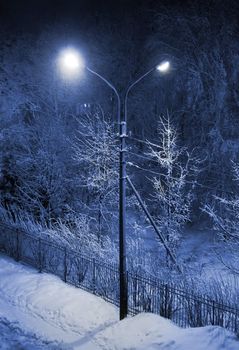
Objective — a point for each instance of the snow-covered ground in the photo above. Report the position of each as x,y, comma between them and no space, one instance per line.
39,311
13,337
202,253
199,252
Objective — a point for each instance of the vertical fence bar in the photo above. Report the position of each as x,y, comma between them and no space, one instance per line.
135,284
236,330
65,265
166,300
213,313
17,246
93,276
39,255
127,285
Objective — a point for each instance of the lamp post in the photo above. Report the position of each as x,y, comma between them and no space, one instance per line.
122,202
70,62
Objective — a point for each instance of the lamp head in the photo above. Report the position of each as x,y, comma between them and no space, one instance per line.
163,67
70,63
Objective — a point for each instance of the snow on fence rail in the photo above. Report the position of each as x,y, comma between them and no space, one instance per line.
144,294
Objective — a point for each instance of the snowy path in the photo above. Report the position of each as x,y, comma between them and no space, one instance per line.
13,337
39,311
43,304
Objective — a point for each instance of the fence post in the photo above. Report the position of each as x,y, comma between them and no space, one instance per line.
39,255
213,312
65,265
236,323
94,277
17,258
166,301
135,289
127,290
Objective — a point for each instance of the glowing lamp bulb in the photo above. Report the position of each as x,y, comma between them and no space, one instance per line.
70,62
163,67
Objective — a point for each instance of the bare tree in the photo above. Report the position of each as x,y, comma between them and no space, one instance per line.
173,187
96,151
225,216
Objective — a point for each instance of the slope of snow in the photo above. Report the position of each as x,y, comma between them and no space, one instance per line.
13,337
39,311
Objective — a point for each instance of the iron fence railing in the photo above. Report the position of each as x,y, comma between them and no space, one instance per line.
144,294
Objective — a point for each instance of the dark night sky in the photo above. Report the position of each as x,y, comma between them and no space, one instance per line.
30,16
88,22
80,18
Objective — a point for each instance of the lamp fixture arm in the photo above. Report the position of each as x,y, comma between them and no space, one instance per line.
130,87
112,87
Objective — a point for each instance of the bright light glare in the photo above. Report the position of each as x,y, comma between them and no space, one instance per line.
163,67
70,62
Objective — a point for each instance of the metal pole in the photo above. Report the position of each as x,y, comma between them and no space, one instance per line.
122,224
122,202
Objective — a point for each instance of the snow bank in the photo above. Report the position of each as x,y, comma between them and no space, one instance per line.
50,314
147,331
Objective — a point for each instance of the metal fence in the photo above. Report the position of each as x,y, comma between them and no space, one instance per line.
144,294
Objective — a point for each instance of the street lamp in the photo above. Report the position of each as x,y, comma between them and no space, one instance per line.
70,63
163,67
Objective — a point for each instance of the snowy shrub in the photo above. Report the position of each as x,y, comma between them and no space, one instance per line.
78,236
